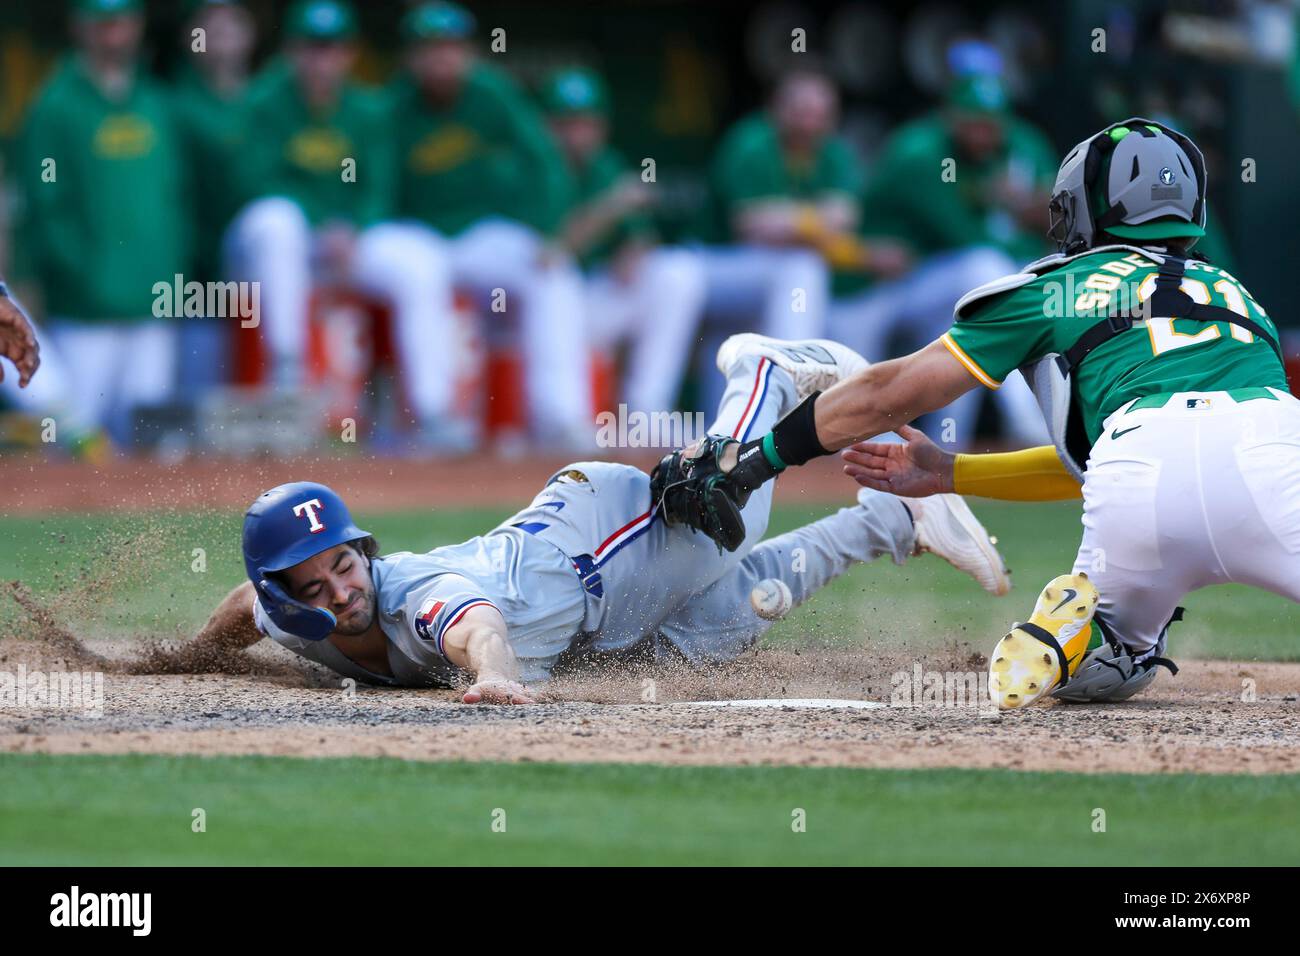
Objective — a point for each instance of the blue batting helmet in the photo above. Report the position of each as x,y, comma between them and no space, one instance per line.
286,526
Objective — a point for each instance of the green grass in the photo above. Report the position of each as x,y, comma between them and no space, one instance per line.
157,591
59,810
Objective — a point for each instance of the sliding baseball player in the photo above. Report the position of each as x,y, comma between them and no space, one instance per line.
590,564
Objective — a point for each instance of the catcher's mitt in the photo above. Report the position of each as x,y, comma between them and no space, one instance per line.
697,493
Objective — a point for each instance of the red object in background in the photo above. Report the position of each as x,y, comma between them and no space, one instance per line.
505,411
248,361
604,383
344,335
507,405
1293,372
350,336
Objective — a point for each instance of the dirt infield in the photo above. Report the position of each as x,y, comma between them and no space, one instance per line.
1197,721
269,702
33,484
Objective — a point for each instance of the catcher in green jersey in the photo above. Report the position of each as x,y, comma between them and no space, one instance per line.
1162,383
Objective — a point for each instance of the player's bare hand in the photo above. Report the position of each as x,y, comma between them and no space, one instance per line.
18,342
497,690
913,470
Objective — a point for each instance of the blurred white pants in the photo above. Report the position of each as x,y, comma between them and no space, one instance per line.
112,368
415,270
778,291
50,393
270,243
656,312
507,268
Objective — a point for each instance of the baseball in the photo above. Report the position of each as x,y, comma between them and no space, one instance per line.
771,599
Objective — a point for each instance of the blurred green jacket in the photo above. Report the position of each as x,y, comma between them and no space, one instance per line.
105,196
605,171
750,166
485,155
213,137
910,199
302,154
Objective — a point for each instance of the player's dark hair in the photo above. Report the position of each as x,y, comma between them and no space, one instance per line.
366,546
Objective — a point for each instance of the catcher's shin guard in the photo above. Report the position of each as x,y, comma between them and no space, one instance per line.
1041,654
1111,672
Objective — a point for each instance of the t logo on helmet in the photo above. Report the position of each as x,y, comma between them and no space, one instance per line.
309,508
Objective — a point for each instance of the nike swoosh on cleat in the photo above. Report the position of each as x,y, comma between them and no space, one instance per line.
1070,593
1120,434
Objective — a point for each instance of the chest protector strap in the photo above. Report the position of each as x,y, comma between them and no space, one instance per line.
1051,378
1168,300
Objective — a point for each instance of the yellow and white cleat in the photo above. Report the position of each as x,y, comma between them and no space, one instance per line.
1035,657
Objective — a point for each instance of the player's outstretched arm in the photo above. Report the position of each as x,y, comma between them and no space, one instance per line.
878,399
231,626
230,629
478,644
920,468
888,395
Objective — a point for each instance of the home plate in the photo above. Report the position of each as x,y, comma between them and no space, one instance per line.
798,703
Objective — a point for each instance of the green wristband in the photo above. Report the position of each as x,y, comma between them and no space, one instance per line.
769,452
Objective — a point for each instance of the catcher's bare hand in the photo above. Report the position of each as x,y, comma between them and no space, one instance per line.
18,342
495,690
913,470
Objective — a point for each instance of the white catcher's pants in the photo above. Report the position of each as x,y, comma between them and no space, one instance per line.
1204,490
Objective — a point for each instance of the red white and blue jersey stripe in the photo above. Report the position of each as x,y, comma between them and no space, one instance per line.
756,397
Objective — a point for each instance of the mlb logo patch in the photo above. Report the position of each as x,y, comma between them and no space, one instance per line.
1199,403
424,622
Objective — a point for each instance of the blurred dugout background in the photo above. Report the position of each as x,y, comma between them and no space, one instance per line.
676,82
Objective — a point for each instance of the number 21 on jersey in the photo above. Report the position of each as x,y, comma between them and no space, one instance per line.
1165,338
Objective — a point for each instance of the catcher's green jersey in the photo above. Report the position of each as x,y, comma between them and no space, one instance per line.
1006,330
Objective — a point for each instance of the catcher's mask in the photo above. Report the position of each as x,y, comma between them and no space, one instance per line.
1137,179
286,526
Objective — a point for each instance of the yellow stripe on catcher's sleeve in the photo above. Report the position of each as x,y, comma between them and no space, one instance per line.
983,377
1032,474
